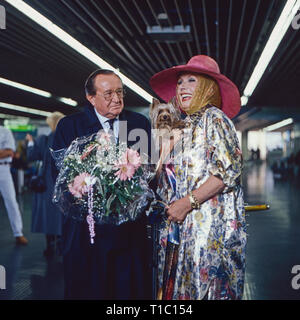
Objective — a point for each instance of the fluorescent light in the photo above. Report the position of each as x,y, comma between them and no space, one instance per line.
68,101
26,88
283,23
244,100
9,116
76,45
36,91
24,109
279,124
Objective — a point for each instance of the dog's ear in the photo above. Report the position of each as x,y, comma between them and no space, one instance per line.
155,102
175,107
153,106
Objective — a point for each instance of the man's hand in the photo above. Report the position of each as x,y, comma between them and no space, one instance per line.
4,153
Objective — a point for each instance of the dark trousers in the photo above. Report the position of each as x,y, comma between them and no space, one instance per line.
116,266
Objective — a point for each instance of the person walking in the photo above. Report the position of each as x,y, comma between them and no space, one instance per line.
46,217
7,189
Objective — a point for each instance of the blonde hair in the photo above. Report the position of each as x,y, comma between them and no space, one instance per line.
53,119
206,93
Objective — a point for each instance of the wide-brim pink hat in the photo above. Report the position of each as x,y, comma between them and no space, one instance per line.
164,82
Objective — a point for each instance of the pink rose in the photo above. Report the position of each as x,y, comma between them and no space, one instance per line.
104,138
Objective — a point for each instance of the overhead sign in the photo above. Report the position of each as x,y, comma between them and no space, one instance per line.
20,127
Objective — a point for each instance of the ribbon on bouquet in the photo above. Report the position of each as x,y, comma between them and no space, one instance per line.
171,259
173,235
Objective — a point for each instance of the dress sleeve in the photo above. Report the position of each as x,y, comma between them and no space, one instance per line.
225,156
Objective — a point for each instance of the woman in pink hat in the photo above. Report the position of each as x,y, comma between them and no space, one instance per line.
207,200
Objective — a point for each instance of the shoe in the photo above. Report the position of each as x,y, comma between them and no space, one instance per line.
21,240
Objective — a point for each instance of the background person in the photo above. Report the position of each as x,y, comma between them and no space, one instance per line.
209,261
46,217
7,148
19,166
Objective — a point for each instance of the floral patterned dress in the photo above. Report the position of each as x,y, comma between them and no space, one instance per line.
211,252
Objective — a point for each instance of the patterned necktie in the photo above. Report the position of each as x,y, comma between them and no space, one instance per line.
111,127
111,124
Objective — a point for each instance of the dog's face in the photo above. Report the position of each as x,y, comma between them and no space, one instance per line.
163,115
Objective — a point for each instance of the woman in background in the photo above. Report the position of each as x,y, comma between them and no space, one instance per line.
46,217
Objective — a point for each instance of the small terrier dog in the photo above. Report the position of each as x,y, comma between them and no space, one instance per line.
165,118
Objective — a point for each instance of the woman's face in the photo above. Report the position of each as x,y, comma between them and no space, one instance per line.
186,86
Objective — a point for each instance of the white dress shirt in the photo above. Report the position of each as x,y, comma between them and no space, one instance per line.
105,124
7,141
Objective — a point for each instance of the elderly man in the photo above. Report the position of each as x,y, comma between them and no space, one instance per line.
7,189
116,265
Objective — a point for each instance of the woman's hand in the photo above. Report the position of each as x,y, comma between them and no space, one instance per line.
178,210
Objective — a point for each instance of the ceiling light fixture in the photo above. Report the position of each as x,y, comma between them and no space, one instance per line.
76,45
24,109
287,15
68,101
36,91
164,33
278,125
25,88
244,100
9,116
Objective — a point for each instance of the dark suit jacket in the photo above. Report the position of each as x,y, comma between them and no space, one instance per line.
88,268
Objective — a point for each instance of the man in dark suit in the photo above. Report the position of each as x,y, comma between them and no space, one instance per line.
116,266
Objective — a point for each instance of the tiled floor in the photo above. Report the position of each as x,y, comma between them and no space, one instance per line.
274,235
272,251
28,274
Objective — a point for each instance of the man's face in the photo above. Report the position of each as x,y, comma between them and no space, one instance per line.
106,100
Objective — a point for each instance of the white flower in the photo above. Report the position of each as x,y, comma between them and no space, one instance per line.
90,180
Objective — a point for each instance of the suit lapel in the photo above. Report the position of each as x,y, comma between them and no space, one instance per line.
92,122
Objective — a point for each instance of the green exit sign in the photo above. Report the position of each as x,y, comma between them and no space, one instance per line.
20,127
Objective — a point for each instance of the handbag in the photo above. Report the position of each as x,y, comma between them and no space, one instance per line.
37,182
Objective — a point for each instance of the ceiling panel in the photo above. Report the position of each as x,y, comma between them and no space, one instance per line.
234,32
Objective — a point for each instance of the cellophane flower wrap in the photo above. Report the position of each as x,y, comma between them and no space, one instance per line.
102,182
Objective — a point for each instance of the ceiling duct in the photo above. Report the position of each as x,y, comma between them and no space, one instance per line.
164,33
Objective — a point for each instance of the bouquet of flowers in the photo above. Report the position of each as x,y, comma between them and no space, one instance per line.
101,182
